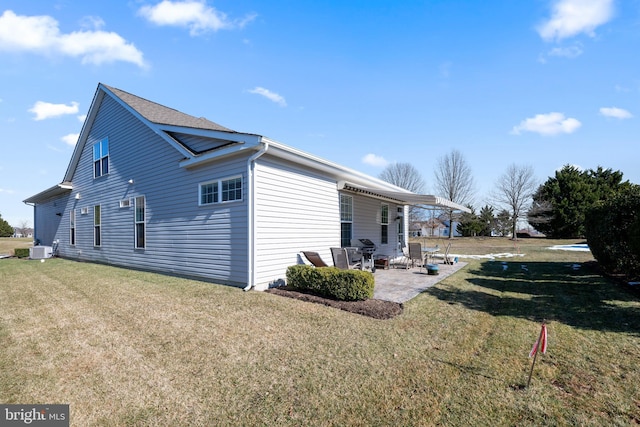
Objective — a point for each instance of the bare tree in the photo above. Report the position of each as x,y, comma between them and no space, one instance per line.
404,175
454,181
23,226
514,190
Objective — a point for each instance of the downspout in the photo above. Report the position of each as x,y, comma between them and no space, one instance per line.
251,213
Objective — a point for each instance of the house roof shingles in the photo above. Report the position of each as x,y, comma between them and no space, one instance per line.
160,114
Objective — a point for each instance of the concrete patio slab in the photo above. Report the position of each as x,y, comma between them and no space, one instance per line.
400,285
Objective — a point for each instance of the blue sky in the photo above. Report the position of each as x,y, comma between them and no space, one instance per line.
362,83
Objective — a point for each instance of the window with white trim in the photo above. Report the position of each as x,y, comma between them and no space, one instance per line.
140,223
401,227
346,220
101,158
384,224
97,226
72,227
220,191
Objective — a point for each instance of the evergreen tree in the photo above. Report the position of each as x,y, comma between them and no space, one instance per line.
469,225
487,220
560,204
503,223
5,229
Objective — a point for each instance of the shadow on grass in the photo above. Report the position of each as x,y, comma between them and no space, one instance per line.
573,294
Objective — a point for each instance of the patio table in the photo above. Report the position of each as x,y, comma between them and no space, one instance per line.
429,253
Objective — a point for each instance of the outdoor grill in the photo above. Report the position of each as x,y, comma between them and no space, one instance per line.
366,248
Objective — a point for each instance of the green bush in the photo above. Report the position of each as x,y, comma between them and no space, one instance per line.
613,232
21,252
343,285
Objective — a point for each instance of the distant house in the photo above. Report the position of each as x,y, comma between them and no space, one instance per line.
445,230
22,232
433,227
149,187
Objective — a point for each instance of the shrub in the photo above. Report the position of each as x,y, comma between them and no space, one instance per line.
344,285
21,252
613,232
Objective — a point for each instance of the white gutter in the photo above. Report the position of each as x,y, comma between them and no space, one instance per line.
251,255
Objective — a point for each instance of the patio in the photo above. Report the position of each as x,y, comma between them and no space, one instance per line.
398,284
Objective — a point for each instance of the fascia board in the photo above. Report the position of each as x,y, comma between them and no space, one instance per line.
334,170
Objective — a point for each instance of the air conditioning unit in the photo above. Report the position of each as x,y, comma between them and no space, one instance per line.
40,252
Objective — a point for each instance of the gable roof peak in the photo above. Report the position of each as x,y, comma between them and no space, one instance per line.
162,115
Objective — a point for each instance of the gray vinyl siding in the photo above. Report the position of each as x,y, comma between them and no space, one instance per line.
48,217
367,223
296,210
181,236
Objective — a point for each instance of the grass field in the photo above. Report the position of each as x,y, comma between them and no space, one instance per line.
133,348
8,245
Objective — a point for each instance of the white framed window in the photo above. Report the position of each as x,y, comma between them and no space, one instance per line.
384,224
97,226
72,227
101,158
346,220
140,223
400,217
125,203
220,191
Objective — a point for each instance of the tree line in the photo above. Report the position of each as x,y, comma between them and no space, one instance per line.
557,208
454,181
596,204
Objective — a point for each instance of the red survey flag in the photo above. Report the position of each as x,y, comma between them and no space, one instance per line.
541,343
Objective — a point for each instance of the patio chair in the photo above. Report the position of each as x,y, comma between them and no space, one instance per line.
314,258
447,257
415,254
403,259
341,259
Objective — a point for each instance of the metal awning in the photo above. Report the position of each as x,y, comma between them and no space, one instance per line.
405,198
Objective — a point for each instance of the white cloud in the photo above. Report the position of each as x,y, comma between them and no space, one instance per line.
566,52
70,139
547,124
41,35
82,118
45,110
6,191
192,14
272,96
374,160
572,17
615,112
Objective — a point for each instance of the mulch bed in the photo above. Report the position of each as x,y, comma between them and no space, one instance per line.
378,309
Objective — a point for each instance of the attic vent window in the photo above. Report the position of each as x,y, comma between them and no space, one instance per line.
84,211
101,158
125,203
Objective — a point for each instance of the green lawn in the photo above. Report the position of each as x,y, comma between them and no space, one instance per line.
133,348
